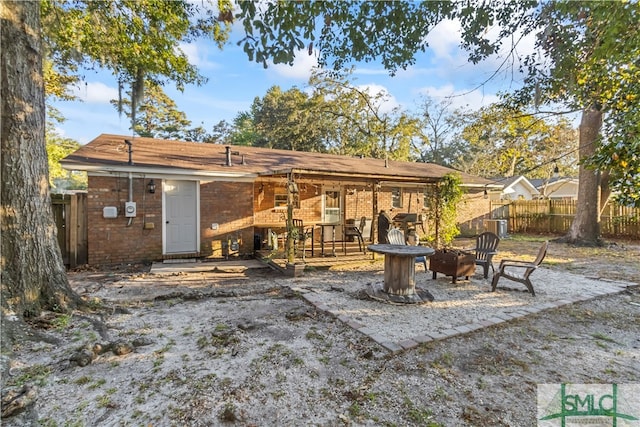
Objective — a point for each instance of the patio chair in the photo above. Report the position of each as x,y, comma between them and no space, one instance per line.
519,271
486,248
396,237
302,236
352,230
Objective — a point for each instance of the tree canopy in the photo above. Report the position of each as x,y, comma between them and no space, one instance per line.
587,59
585,54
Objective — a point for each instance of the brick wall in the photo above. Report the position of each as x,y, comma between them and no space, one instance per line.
227,214
118,240
230,206
472,212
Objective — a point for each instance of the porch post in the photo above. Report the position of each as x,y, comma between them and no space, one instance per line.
290,243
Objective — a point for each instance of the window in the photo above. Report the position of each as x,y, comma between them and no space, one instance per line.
280,199
396,197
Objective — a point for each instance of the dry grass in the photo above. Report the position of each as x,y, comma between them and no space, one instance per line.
617,260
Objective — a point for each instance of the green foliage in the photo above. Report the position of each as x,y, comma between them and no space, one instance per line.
36,374
286,120
587,58
391,32
59,147
436,142
442,200
131,37
157,115
620,149
508,142
337,117
355,122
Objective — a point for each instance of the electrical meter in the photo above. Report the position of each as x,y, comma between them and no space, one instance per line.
130,209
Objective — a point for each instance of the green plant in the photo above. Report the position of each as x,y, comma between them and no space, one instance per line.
83,380
98,383
61,322
355,410
228,413
603,337
442,201
37,374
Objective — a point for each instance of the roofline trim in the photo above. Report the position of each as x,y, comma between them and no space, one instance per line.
160,172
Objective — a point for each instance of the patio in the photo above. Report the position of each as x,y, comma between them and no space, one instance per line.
457,308
338,286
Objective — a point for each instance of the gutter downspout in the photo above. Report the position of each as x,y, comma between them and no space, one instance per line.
130,195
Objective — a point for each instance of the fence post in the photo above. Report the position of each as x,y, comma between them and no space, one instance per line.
72,225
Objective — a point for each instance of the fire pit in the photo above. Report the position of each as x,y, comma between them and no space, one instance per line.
452,263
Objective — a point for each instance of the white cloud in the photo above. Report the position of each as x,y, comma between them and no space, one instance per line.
451,62
303,65
191,50
371,71
198,55
59,131
95,92
460,98
387,102
444,40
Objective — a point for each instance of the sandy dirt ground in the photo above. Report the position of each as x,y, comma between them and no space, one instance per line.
248,349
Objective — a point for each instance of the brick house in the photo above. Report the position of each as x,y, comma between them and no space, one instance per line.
151,199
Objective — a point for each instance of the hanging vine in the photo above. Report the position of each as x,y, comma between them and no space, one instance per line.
442,201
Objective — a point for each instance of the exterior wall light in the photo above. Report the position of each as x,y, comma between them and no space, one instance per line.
151,186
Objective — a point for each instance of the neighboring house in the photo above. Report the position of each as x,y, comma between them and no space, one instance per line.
152,199
515,188
557,188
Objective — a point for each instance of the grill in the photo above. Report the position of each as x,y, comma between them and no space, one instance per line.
407,221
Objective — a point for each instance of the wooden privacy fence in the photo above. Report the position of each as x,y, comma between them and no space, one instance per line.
556,216
70,214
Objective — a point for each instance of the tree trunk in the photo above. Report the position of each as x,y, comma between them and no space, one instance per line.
585,228
33,274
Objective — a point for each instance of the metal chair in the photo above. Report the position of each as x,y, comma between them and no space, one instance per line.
352,230
486,248
396,237
303,234
519,271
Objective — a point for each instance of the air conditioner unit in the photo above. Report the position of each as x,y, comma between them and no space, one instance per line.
497,227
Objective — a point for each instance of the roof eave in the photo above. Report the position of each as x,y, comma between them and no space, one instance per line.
141,170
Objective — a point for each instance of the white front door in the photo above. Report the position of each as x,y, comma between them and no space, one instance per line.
181,217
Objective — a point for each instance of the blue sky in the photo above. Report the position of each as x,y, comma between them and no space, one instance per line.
234,82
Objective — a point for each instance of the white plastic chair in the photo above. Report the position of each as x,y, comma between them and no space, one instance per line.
396,237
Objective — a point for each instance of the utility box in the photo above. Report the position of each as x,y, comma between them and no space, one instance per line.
130,209
497,227
110,212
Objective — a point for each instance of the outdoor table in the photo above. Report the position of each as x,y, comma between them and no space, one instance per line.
400,273
323,227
